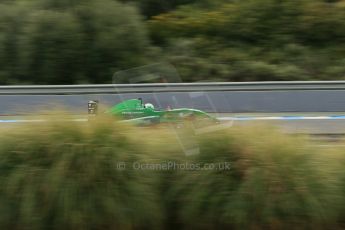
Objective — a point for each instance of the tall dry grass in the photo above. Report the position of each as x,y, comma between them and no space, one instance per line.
65,175
275,182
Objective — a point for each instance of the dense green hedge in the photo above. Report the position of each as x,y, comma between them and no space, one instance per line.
64,175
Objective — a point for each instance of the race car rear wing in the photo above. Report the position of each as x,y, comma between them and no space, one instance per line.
92,107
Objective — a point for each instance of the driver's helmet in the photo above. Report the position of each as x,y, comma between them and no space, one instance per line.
149,106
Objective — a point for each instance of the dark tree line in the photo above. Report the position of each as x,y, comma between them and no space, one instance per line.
86,41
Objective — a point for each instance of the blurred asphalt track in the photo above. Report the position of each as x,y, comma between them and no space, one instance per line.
302,101
298,111
320,123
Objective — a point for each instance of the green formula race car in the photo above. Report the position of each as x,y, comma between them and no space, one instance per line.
137,112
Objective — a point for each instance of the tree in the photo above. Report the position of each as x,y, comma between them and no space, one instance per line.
66,42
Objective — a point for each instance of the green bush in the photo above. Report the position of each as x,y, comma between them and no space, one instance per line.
65,176
254,40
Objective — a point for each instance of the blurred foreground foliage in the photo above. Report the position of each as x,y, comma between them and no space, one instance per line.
67,42
64,175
